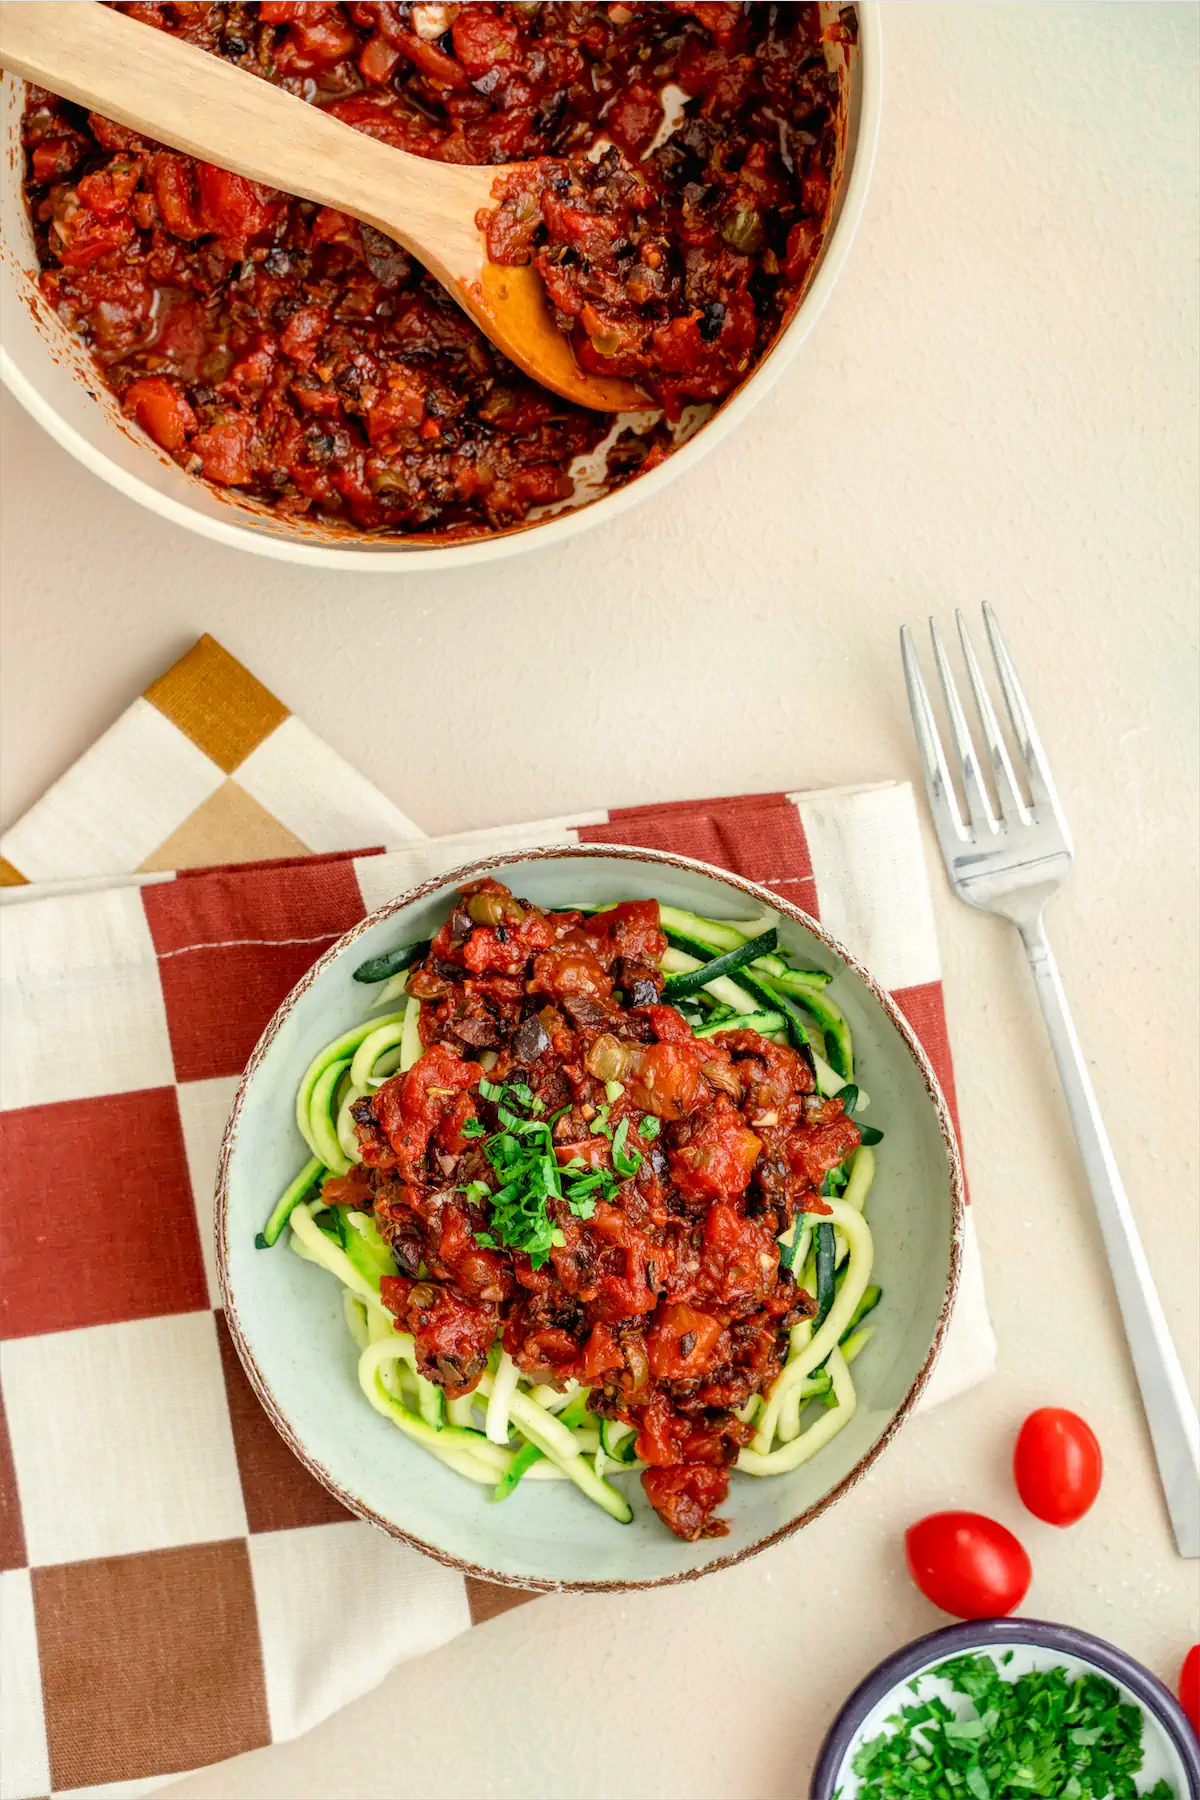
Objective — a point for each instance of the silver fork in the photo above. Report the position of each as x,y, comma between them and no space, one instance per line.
1011,860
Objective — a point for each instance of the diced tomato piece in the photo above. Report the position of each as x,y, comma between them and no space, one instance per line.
183,338
682,1343
484,950
291,12
740,1261
408,1107
550,1354
661,1430
568,972
225,448
601,1353
303,332
450,1126
111,136
311,46
595,1151
56,158
670,1026
684,1498
438,68
394,1291
626,1295
232,206
93,238
452,1336
351,1189
726,81
477,1272
812,1150
107,191
161,410
668,1081
483,39
633,929
400,408
173,179
333,227
250,373
378,115
378,60
719,1157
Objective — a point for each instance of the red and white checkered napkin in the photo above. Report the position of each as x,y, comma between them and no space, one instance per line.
175,1587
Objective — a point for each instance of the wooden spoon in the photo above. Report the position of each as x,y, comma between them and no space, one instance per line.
180,95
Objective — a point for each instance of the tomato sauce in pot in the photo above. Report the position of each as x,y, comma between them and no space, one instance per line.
284,351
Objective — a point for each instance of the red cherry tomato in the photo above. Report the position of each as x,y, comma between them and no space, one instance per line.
967,1564
1189,1686
1057,1465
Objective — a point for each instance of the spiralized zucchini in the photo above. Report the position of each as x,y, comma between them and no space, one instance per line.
509,1429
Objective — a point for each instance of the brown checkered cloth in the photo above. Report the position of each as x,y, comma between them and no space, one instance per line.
175,1587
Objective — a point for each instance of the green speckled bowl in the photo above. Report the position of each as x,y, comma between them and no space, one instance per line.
286,1316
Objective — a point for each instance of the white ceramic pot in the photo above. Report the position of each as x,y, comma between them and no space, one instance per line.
286,1316
52,375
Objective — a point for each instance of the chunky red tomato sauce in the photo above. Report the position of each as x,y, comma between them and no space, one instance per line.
285,351
661,1290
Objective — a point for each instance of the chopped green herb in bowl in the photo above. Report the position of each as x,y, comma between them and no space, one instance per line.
1046,1733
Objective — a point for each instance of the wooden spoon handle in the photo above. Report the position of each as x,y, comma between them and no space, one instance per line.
181,96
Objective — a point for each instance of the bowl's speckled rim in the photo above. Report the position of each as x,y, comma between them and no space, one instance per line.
1003,1634
765,898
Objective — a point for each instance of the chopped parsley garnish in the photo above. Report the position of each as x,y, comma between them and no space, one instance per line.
1046,1733
521,1153
625,1162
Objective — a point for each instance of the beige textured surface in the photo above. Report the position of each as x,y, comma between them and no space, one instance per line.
1000,403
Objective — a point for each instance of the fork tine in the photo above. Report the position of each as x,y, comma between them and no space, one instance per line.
1007,792
1041,782
979,805
943,801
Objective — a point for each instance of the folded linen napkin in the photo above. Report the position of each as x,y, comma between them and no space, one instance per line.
175,1587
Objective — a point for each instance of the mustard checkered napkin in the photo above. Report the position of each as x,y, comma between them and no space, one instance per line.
207,767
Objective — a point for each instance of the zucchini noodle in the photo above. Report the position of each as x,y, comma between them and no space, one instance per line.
511,1428
790,1456
504,1386
344,1126
804,1358
320,1250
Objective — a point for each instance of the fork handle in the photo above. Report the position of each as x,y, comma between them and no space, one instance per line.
1170,1412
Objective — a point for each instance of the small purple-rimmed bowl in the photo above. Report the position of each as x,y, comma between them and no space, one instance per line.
1172,1749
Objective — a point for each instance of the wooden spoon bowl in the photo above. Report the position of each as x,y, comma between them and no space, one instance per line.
179,95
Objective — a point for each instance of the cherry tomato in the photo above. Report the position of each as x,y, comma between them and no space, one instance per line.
1189,1686
1057,1465
967,1564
